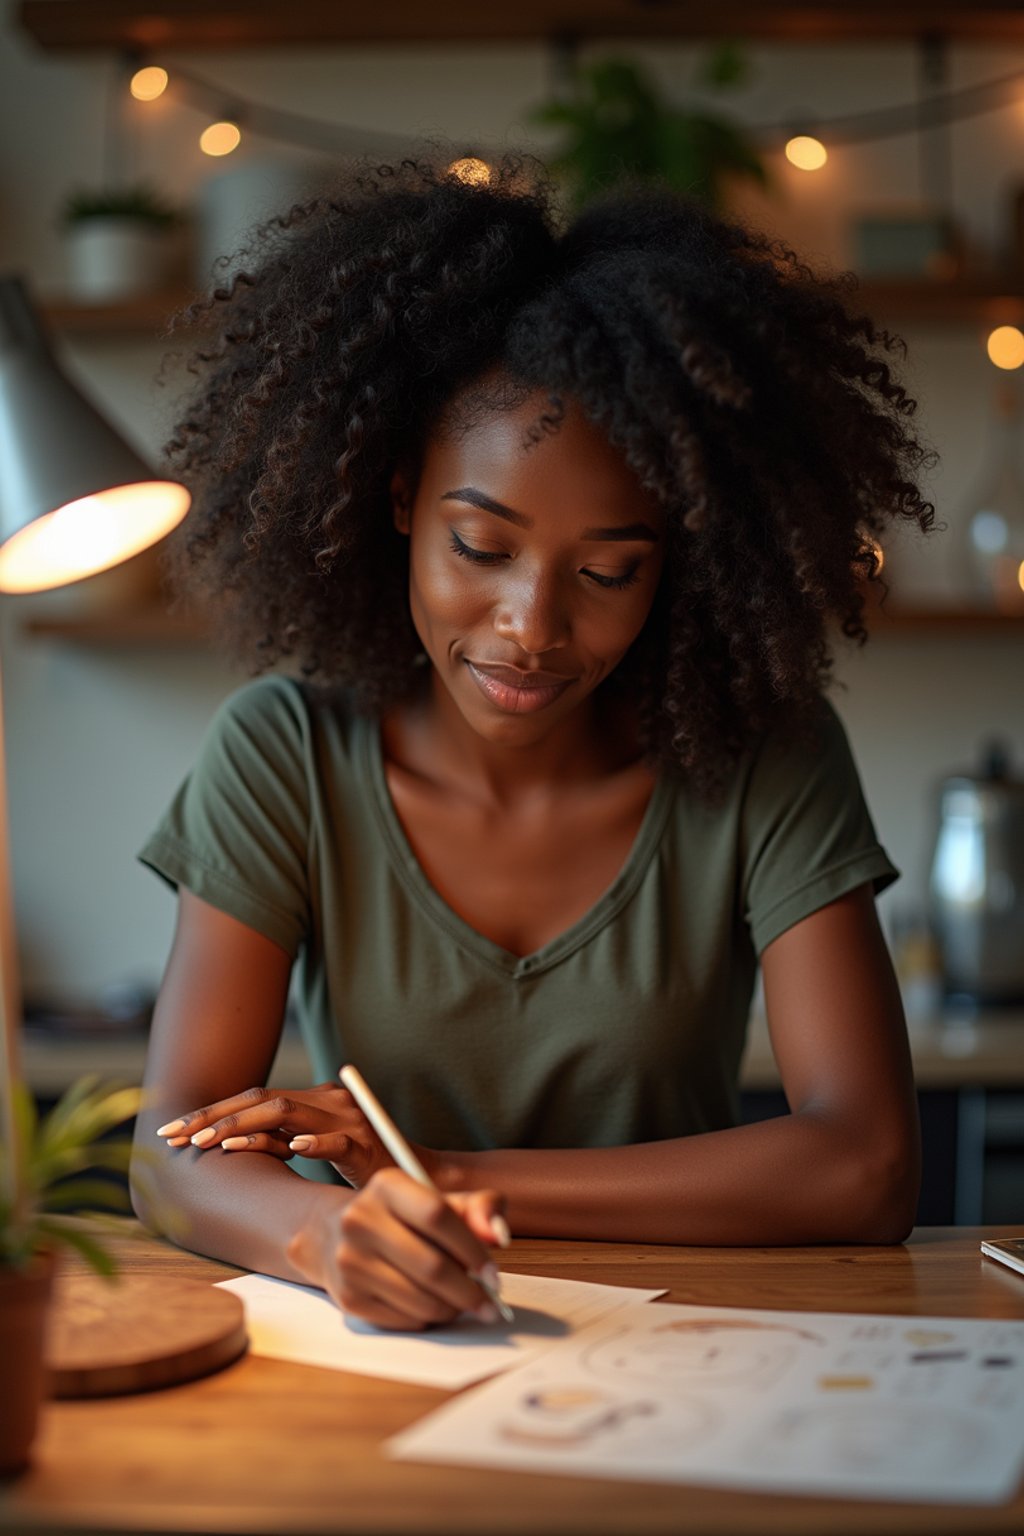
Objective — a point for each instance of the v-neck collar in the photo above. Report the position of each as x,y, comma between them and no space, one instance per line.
410,872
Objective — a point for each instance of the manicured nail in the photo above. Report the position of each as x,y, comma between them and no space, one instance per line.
171,1128
235,1143
488,1313
502,1235
301,1143
203,1138
179,1141
490,1275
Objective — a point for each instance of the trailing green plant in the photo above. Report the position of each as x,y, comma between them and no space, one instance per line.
54,1152
141,202
618,127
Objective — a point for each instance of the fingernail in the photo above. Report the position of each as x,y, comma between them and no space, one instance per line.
179,1141
488,1313
171,1128
490,1275
301,1143
235,1143
502,1235
203,1138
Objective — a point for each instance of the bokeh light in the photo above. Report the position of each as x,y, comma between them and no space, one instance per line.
806,153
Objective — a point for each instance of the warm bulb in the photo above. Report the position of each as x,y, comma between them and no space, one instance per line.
805,153
1006,347
149,83
90,534
475,173
220,139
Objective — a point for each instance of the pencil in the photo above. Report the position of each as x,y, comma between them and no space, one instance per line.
407,1160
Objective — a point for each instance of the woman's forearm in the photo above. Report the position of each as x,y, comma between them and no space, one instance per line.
792,1180
242,1209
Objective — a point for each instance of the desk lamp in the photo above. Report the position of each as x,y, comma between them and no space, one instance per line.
74,500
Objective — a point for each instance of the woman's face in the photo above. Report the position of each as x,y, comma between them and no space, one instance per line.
532,568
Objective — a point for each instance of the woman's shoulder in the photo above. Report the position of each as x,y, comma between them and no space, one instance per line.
285,720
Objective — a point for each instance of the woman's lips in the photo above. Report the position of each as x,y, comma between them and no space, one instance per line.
518,693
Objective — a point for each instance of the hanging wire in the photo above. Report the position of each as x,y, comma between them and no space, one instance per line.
850,128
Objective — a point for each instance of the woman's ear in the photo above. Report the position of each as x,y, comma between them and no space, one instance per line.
401,501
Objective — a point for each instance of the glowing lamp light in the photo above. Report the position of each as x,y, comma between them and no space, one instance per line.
475,173
220,138
148,83
806,153
90,535
1005,347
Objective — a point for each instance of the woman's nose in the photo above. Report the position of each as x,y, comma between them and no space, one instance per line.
532,613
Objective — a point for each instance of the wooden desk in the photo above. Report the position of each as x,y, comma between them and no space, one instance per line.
275,1449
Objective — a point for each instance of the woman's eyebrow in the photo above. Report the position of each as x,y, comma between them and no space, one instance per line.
488,504
620,531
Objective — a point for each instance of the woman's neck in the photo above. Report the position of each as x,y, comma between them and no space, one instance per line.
431,737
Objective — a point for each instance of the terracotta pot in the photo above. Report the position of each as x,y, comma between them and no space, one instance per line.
24,1309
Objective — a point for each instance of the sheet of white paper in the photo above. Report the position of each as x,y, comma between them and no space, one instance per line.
296,1322
922,1408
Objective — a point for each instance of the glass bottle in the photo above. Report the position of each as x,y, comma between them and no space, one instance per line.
994,519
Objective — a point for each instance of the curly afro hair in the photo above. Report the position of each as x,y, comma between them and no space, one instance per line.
739,384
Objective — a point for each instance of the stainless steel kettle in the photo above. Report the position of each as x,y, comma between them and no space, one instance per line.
976,893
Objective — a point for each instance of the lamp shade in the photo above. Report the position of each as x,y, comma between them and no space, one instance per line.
74,497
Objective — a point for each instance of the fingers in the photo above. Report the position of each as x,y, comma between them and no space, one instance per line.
406,1256
483,1211
315,1111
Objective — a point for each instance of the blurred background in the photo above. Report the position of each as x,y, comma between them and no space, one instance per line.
139,143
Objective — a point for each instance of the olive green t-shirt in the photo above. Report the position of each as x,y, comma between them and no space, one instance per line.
629,1026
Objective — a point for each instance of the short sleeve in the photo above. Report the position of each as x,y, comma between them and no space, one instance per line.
807,835
236,833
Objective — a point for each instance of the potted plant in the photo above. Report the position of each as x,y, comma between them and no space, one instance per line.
617,126
118,242
43,1180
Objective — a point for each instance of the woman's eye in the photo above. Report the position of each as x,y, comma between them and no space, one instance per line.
615,582
466,552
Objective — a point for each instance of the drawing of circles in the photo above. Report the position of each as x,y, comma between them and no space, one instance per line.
871,1438
705,1352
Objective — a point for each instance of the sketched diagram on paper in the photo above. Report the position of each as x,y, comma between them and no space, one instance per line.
681,1355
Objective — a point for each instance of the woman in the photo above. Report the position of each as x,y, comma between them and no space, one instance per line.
554,522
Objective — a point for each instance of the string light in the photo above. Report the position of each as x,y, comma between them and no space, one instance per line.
220,138
1005,347
474,172
148,83
806,152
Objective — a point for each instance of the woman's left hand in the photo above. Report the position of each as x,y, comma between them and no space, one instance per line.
324,1122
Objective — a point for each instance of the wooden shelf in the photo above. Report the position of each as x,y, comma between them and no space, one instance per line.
167,25
980,301
139,626
145,317
983,300
945,620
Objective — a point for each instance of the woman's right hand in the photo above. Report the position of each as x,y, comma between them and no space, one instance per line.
400,1255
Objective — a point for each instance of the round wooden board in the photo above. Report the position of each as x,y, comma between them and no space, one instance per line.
138,1332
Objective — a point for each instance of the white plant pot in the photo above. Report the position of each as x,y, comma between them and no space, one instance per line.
113,258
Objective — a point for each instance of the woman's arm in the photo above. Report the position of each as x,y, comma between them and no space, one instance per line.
397,1257
216,1028
842,1166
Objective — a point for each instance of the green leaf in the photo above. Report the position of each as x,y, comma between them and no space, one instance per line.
725,66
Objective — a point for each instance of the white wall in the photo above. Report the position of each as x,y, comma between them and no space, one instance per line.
97,739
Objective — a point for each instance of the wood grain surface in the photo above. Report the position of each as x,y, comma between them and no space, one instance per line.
135,1333
276,1449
